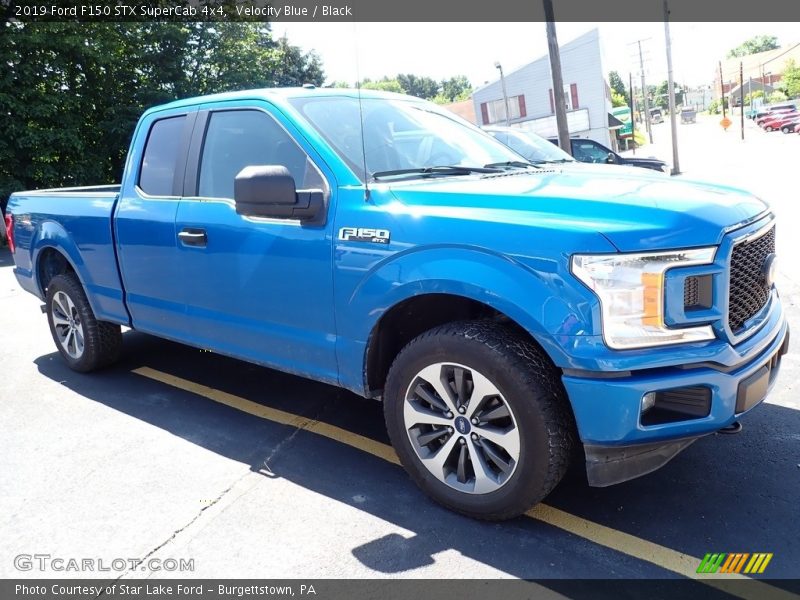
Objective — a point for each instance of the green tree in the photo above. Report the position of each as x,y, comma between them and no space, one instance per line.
617,85
71,93
777,96
749,98
756,44
456,89
617,99
791,79
421,87
384,85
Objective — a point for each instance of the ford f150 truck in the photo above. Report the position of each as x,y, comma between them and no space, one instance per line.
503,312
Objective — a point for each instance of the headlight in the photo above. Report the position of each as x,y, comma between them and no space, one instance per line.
631,292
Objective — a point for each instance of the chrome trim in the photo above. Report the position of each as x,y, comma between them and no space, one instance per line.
145,196
755,235
731,228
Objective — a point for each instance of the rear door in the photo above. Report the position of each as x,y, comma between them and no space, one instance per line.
144,222
255,288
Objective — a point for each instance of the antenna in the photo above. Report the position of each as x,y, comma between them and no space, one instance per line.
361,116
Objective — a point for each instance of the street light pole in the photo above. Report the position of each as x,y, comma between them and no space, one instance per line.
676,169
505,95
644,95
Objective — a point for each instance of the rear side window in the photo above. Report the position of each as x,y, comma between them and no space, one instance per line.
161,156
239,138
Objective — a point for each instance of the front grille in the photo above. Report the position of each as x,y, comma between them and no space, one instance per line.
749,291
691,292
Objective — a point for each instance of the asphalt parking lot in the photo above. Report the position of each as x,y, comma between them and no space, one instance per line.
180,453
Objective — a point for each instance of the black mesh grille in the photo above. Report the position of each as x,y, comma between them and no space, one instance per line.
749,291
691,292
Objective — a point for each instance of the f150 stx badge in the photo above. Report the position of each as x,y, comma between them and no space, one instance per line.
364,234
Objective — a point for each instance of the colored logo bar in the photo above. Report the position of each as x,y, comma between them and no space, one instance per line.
735,562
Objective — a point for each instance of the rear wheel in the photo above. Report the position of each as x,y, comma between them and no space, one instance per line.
479,419
768,128
785,129
84,342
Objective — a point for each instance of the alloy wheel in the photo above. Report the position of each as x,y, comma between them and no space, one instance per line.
461,428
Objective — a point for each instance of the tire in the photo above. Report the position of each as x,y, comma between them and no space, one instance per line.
768,128
524,407
786,130
72,321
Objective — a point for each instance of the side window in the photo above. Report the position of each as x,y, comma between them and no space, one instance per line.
588,151
160,156
239,138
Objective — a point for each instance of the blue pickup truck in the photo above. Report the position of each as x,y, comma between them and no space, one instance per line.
511,317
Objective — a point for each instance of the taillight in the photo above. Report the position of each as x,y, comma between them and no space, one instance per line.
10,231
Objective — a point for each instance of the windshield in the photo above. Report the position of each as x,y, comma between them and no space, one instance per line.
531,146
400,135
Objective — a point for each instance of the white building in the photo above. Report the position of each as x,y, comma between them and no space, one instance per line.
530,94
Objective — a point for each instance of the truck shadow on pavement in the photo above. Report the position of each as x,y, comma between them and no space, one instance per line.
723,494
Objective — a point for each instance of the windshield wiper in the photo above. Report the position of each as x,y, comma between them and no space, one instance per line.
519,164
436,170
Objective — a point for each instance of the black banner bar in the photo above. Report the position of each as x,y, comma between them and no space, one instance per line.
390,589
399,10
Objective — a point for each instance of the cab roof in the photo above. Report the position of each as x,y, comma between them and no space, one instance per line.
281,95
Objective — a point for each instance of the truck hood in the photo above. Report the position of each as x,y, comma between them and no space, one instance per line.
634,212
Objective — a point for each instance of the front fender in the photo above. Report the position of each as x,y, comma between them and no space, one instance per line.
534,294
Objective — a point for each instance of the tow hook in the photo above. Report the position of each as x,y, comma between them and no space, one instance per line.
734,427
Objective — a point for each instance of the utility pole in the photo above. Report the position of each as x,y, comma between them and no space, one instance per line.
505,94
722,89
676,169
558,80
741,94
633,112
644,95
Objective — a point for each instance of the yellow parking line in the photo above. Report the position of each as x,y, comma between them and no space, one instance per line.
638,548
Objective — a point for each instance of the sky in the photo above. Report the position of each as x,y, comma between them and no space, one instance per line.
352,51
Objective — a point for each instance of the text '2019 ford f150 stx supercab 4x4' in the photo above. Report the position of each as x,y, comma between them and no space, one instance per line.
503,312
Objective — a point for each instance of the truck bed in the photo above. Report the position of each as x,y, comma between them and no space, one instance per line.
76,221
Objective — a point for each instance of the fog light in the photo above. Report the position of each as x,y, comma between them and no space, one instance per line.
648,401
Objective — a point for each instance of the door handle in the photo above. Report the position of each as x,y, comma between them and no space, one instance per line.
192,236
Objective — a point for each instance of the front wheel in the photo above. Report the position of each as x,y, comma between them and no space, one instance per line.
84,342
479,418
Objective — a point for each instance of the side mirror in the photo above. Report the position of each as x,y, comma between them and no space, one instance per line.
611,158
269,191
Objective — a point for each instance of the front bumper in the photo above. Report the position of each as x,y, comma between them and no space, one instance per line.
607,409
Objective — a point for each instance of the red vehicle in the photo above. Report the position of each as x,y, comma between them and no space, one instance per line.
774,113
778,121
792,126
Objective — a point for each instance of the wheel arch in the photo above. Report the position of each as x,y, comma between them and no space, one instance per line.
51,261
453,283
411,317
54,247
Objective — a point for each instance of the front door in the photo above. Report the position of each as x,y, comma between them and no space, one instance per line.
255,288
